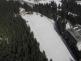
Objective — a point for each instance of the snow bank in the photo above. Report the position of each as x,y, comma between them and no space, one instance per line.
50,41
43,1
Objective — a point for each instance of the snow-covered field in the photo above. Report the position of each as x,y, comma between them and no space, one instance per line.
50,41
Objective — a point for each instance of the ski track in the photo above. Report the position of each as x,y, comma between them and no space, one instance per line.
50,41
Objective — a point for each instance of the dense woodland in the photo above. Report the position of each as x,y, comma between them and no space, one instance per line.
48,9
72,7
17,42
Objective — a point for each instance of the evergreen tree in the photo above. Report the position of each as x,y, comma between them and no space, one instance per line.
49,10
70,6
17,42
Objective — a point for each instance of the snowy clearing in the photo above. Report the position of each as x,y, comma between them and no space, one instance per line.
50,41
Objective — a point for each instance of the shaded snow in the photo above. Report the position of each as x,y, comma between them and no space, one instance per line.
48,38
79,46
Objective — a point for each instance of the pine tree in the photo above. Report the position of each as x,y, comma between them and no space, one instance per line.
17,42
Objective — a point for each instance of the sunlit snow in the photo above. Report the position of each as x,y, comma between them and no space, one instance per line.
68,25
48,38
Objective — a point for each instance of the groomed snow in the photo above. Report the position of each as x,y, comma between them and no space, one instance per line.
50,41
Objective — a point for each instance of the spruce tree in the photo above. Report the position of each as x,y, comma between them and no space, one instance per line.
17,42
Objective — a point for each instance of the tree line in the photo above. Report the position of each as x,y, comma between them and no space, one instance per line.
48,9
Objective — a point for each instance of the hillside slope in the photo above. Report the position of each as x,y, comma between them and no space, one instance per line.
50,41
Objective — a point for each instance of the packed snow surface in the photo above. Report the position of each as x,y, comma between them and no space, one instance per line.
48,38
